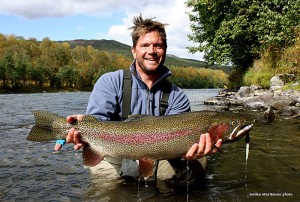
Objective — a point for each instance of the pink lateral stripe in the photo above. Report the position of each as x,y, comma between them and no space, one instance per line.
144,138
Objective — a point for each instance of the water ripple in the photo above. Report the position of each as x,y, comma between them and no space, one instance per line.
30,171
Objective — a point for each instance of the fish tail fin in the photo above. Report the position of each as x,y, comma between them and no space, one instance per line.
45,127
91,157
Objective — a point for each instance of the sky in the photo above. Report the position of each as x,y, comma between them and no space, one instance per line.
95,19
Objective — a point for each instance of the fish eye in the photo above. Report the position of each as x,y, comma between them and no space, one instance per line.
233,123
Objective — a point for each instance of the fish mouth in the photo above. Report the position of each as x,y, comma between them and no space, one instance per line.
240,131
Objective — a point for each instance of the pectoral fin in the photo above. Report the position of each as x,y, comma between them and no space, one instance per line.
146,167
91,157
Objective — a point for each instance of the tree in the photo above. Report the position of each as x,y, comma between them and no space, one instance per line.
67,76
3,75
238,31
39,73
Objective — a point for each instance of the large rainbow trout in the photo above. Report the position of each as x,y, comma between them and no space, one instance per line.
141,137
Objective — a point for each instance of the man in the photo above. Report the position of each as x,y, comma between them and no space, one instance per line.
148,81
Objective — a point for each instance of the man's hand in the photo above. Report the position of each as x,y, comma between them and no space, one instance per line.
73,135
203,148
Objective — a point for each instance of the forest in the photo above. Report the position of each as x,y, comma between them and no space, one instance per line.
29,65
260,38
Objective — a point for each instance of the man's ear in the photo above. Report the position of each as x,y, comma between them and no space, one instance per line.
133,51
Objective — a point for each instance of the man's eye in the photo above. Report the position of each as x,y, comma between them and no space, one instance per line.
158,45
145,45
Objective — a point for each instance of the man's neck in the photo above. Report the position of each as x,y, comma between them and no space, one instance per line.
148,79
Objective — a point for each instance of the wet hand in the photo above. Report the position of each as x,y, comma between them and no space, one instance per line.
204,147
73,135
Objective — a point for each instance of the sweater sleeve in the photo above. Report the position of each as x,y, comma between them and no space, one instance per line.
104,102
178,102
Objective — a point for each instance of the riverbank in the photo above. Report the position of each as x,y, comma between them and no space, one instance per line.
42,90
273,101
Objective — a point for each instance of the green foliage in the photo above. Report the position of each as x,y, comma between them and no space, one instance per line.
67,76
39,73
289,60
261,78
275,62
52,64
198,77
43,64
239,31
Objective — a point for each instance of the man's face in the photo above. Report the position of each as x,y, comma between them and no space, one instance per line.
150,52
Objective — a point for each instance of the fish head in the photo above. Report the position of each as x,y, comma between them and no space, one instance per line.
229,127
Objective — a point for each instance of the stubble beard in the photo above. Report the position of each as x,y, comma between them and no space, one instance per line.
149,71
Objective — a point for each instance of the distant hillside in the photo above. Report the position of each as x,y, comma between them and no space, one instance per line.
105,45
123,49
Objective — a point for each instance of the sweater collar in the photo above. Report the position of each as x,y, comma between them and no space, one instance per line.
165,73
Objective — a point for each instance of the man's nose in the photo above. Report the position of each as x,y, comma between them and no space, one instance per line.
151,49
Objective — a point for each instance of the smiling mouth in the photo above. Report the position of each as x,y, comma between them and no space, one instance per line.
150,59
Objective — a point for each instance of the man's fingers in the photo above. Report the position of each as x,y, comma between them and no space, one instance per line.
76,137
192,151
208,144
73,135
57,147
70,135
79,117
219,143
59,144
74,118
78,146
202,145
203,148
71,119
217,146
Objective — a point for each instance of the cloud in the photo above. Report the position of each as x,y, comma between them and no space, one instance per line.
33,9
172,12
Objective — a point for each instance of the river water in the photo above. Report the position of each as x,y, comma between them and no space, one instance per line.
30,171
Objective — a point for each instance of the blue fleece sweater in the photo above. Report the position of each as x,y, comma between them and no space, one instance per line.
106,99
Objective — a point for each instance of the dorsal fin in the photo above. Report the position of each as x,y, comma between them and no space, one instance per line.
136,117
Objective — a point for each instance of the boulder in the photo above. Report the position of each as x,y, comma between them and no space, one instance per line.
255,103
267,97
289,111
271,101
279,105
244,91
280,80
276,81
212,101
269,115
